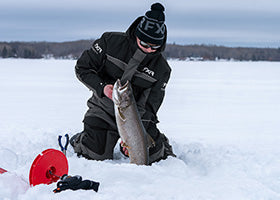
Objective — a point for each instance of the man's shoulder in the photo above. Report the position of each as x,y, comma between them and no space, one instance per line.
115,40
114,35
165,67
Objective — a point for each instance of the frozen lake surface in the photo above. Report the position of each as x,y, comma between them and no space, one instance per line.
222,118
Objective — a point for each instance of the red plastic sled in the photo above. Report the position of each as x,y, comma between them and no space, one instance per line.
2,171
48,167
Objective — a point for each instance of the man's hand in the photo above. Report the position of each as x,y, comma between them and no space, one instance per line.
108,90
124,149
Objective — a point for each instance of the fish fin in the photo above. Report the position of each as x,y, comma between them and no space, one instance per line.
150,141
125,145
121,114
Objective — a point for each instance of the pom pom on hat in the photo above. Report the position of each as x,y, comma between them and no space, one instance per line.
157,6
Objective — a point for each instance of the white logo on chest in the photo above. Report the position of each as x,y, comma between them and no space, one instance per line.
148,71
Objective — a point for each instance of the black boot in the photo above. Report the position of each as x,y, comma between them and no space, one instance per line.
74,139
168,151
161,151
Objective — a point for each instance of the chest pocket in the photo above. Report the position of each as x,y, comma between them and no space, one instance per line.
143,80
139,79
114,67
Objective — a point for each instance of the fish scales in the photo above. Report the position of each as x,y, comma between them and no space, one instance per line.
130,127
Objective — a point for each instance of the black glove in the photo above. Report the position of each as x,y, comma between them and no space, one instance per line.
75,183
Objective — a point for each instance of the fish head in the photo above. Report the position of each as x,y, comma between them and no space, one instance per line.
122,94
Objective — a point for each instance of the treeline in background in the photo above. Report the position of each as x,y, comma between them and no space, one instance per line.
72,50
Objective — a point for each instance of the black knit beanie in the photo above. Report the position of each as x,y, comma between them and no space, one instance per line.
152,29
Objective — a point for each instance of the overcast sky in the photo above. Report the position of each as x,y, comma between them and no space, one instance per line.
253,23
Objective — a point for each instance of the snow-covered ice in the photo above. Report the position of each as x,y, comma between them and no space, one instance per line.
222,119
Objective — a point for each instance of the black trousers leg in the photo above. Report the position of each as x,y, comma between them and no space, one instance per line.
97,141
162,148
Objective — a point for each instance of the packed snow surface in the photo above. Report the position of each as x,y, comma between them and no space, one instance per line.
222,118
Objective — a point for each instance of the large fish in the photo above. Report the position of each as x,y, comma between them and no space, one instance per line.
130,127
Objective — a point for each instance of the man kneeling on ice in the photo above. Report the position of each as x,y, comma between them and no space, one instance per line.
134,56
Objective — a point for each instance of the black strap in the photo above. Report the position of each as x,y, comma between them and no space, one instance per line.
132,65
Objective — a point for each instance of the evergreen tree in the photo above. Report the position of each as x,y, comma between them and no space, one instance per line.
4,52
